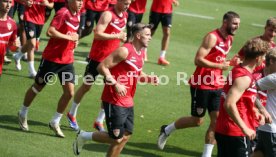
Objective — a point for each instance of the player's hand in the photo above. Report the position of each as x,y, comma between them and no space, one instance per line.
122,36
17,42
267,117
29,3
225,65
251,134
261,119
74,37
176,3
121,89
45,3
154,80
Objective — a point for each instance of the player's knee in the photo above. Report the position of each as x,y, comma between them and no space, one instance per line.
198,121
69,94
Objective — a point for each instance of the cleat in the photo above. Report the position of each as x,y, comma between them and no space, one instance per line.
32,75
22,122
98,126
7,60
162,139
163,61
72,122
78,143
16,58
56,129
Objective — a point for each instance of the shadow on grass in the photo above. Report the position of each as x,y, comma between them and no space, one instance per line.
10,122
104,147
167,149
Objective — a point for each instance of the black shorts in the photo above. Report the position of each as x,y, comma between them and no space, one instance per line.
232,146
204,99
133,18
266,143
82,21
48,12
48,69
91,18
91,70
118,120
32,30
20,11
155,18
58,6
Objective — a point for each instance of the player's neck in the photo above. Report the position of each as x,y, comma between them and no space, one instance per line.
137,47
3,16
249,65
223,33
118,12
72,11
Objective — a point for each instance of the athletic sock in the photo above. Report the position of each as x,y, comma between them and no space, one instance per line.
207,152
24,111
162,54
74,109
101,116
56,118
86,135
31,67
170,128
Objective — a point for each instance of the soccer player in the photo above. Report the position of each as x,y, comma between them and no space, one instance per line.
94,9
135,12
205,92
235,123
34,19
57,58
108,34
121,70
161,11
8,30
267,133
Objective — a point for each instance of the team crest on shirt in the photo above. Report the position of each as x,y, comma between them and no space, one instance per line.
31,33
116,132
199,111
9,26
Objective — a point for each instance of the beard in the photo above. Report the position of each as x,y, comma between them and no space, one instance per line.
230,31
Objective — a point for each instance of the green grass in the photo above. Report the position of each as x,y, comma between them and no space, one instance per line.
158,104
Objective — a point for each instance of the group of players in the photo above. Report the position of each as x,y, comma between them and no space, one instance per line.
234,107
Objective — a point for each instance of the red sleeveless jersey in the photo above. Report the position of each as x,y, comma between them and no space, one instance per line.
97,5
126,73
211,78
162,6
8,31
225,125
60,50
102,48
138,6
36,13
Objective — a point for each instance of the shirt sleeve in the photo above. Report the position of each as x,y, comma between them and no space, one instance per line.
58,19
268,82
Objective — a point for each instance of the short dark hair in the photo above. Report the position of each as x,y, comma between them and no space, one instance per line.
271,22
140,26
254,48
271,55
230,15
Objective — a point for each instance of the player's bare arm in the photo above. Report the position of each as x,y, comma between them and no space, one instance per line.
208,43
102,25
112,60
234,94
53,33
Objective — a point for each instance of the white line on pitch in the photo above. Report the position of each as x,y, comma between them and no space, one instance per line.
81,62
195,15
257,25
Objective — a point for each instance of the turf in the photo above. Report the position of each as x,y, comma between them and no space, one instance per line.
154,105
